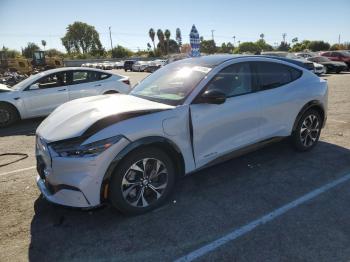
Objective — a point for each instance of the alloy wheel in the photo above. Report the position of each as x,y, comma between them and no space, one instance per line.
4,116
309,130
144,182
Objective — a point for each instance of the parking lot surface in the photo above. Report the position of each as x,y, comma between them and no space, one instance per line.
205,206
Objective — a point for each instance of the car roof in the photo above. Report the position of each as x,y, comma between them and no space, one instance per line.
214,60
61,69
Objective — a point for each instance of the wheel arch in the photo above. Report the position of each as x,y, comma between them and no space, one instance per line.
12,106
314,104
162,143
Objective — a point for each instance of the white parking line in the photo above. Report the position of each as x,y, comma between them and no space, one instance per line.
17,170
260,221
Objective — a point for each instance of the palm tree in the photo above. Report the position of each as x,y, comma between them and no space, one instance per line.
151,34
262,36
43,42
160,36
167,36
178,37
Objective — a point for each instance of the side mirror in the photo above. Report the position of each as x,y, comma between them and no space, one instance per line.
213,96
34,86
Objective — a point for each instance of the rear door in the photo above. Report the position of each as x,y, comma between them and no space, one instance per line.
279,97
220,129
83,83
51,92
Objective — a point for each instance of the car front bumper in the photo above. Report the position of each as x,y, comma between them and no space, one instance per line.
73,181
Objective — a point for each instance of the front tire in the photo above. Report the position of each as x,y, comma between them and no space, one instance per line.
307,131
142,182
8,115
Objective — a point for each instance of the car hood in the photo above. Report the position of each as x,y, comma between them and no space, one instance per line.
4,88
83,116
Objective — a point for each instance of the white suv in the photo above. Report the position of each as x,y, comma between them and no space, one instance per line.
129,149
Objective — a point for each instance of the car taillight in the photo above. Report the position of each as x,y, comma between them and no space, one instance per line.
126,81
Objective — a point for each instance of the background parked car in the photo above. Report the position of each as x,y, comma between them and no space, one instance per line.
140,66
40,94
340,56
331,66
302,62
128,65
319,69
305,54
152,67
118,65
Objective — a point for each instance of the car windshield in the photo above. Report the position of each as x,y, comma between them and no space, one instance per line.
171,84
282,54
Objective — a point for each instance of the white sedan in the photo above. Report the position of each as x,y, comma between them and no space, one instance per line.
40,94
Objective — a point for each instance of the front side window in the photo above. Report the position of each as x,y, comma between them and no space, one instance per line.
53,80
272,75
234,80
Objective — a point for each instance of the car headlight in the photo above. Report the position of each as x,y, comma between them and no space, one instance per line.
74,148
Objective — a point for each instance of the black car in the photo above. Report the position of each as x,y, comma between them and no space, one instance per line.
128,65
331,66
289,57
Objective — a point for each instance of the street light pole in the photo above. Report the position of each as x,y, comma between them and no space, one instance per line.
110,37
212,34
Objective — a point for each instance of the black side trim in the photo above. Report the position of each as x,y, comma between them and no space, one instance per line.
305,108
55,188
191,132
239,152
113,119
146,141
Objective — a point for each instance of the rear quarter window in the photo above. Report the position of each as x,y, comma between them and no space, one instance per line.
273,75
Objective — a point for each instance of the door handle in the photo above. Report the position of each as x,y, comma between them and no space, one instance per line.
61,90
97,85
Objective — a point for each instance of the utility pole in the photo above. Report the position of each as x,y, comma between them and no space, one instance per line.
284,37
339,39
212,34
110,37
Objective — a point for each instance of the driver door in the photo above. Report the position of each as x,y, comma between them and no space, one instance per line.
44,95
219,129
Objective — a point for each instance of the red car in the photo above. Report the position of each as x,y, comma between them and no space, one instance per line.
339,56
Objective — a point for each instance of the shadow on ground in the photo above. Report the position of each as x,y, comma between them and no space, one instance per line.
22,128
204,206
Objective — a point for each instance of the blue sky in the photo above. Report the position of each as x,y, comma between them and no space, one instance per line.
34,20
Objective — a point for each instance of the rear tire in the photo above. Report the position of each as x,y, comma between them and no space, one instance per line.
142,182
8,115
308,130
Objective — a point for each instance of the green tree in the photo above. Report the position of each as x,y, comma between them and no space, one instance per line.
295,40
29,50
121,52
248,47
81,38
11,53
226,48
284,46
43,42
173,46
178,37
152,34
161,41
301,46
263,46
262,36
167,37
208,46
318,46
54,52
